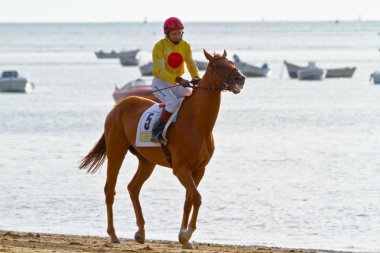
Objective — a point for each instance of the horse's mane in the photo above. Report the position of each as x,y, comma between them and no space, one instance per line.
216,54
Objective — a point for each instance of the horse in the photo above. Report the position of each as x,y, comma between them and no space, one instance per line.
190,144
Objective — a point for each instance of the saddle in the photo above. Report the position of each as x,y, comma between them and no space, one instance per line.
147,121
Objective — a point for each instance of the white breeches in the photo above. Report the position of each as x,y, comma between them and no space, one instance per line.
170,97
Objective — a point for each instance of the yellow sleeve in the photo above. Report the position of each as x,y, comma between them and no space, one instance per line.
159,69
190,63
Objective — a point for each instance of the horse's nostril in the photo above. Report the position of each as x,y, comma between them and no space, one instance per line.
240,78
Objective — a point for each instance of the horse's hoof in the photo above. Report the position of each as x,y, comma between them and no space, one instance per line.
183,237
113,236
115,240
139,238
187,246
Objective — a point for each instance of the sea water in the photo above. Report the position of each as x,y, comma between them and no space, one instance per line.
296,164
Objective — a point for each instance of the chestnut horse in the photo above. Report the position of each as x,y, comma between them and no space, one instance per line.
190,144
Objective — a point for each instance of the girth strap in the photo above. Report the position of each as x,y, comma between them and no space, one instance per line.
167,153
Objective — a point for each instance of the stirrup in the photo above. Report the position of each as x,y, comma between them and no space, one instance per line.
159,139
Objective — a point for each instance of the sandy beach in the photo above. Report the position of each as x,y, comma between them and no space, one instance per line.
38,242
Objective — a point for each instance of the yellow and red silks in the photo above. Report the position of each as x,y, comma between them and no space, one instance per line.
168,60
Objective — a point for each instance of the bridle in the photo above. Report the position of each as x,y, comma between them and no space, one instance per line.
226,85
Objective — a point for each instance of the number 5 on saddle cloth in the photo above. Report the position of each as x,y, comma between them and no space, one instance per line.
146,123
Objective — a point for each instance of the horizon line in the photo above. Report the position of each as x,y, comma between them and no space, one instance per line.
197,21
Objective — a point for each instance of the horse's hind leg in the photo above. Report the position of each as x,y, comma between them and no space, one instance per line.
117,147
143,172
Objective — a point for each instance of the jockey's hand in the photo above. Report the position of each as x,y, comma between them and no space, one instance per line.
185,83
195,80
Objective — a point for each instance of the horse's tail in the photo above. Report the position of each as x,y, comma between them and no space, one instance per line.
95,158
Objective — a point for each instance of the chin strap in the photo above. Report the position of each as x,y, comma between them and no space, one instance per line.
175,43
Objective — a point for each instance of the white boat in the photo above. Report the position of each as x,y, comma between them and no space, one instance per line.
375,76
345,72
115,55
10,81
292,69
250,70
147,69
129,61
311,72
202,65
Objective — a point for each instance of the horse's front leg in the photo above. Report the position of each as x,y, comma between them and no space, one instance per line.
193,199
186,211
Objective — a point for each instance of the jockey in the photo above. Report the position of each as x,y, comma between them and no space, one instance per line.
169,55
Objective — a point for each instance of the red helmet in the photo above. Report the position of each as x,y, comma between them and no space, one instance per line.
172,23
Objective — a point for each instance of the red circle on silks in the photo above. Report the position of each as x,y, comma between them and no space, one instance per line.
175,60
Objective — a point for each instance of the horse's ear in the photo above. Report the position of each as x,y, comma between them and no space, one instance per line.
208,56
224,54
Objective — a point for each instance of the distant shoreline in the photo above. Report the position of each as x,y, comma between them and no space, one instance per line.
18,242
188,22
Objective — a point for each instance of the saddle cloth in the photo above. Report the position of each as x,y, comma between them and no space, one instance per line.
146,123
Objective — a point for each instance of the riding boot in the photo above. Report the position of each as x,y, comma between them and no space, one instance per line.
159,126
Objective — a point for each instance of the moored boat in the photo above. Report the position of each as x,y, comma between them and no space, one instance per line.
147,69
311,73
129,61
139,87
202,65
345,72
250,70
375,76
114,55
11,81
292,69
340,72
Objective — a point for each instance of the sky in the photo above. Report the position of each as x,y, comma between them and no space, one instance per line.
188,11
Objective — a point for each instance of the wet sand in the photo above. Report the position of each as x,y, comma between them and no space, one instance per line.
37,242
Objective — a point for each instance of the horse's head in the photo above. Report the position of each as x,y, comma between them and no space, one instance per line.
224,75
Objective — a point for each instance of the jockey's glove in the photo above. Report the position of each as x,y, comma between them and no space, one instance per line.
195,80
185,83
